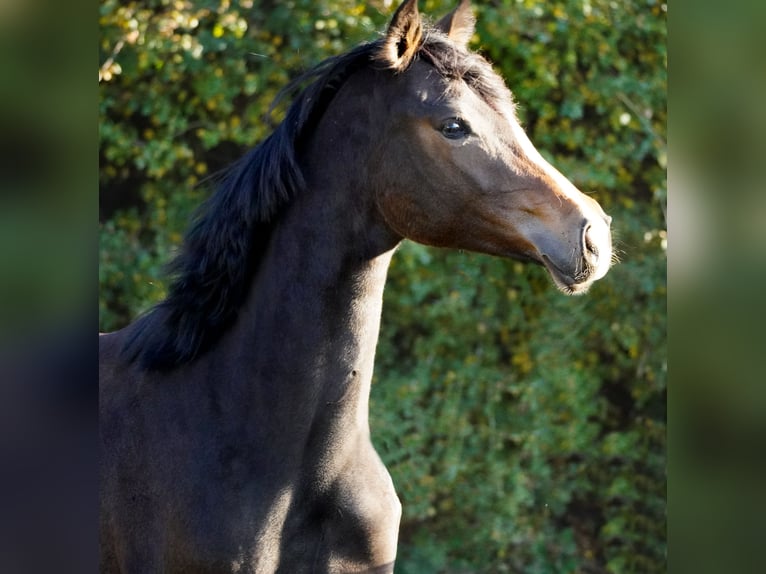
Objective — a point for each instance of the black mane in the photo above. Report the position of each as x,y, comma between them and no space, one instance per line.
221,251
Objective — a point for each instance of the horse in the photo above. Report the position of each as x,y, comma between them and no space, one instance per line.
234,415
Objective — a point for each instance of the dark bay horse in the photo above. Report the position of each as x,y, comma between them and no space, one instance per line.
234,415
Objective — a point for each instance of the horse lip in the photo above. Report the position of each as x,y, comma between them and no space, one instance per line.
565,282
556,270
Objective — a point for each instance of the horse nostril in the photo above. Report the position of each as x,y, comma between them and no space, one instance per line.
590,250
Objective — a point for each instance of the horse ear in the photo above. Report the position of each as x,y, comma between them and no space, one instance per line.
459,24
403,37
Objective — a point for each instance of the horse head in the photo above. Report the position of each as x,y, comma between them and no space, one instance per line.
459,169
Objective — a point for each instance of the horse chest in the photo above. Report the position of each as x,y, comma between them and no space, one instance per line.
352,523
306,523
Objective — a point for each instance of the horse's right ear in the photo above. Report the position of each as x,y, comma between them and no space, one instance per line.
403,37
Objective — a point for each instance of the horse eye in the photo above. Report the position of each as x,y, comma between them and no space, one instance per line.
454,129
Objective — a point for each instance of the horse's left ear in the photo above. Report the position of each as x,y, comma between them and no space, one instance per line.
403,37
459,24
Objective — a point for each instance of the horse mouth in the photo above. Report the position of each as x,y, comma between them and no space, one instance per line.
568,284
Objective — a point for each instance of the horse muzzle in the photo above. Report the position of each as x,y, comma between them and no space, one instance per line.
575,265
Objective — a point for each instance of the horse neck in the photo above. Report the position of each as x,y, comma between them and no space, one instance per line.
310,324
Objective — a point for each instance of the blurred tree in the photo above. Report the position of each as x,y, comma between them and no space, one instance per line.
525,431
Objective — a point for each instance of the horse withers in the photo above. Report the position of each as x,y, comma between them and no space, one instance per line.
234,415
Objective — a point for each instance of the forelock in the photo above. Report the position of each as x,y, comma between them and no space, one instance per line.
453,62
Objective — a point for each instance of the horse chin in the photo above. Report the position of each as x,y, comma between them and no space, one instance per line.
565,282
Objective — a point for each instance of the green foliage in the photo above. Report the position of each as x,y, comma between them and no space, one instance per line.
185,87
524,430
